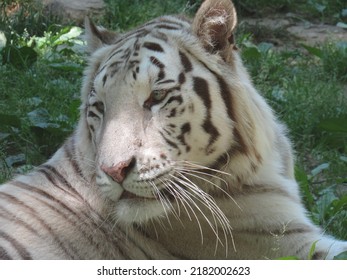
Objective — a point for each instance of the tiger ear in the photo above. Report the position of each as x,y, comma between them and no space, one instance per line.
97,37
214,24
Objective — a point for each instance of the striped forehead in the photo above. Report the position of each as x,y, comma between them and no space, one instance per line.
125,53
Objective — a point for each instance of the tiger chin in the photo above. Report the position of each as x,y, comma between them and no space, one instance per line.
176,155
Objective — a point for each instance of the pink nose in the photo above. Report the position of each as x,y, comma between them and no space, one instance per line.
119,171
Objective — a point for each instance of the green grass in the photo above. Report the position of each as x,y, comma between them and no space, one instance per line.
41,69
314,10
119,18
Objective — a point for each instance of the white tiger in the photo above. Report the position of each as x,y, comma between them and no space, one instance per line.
176,155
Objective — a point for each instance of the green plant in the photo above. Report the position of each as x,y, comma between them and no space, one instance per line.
25,17
35,120
123,15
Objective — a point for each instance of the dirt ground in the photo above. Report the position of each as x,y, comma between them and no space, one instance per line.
289,25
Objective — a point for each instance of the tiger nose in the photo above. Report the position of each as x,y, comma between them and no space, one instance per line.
119,171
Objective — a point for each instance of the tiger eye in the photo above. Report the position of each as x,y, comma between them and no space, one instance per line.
158,95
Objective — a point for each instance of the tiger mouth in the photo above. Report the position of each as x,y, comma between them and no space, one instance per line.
129,195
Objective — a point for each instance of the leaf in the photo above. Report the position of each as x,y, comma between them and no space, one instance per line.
312,250
319,169
74,32
338,205
342,25
314,51
334,124
341,256
41,118
3,40
19,57
251,53
265,47
303,181
9,120
3,136
319,7
15,159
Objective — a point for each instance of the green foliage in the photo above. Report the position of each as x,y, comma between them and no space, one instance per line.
124,15
22,57
38,95
342,256
25,17
323,10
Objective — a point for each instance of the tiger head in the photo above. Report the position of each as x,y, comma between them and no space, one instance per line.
166,105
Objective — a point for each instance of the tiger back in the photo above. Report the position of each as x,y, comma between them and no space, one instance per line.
176,155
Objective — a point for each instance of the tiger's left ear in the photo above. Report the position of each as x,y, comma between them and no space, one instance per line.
214,23
97,37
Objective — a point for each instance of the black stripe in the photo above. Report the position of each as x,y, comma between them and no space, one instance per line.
160,35
181,78
157,62
83,220
185,128
110,57
138,33
172,113
200,86
69,186
176,98
103,67
13,200
51,179
114,67
170,143
24,254
91,114
32,189
227,98
62,180
14,218
84,201
70,152
99,106
187,65
160,65
3,254
168,27
77,223
44,194
153,47
104,79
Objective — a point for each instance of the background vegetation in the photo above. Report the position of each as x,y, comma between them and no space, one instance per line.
41,64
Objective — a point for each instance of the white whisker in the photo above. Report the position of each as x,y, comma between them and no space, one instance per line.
191,173
183,196
199,195
215,210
